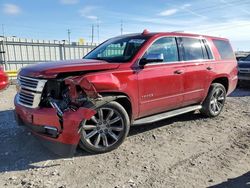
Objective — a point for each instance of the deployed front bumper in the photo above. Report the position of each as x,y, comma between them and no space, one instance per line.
60,138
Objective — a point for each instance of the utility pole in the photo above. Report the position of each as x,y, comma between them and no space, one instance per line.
92,34
121,27
3,30
98,33
69,32
4,52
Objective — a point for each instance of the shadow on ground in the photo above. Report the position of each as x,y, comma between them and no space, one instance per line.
138,129
20,150
242,181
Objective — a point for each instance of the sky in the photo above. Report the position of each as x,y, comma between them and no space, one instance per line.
51,19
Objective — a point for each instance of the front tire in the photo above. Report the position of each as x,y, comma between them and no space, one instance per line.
106,130
215,100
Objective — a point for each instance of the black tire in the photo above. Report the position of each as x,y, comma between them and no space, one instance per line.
215,100
108,129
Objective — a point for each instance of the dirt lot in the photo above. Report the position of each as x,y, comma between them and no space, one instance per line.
186,151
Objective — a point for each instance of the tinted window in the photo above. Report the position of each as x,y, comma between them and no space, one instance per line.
166,46
209,52
224,49
191,49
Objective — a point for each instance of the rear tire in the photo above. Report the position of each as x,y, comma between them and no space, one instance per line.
215,100
106,130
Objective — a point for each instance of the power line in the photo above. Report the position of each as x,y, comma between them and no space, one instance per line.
222,28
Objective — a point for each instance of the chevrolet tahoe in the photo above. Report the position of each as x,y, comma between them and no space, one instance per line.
126,80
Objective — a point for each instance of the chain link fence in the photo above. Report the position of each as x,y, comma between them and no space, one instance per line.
16,53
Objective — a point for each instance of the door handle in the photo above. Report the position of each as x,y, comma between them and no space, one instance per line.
178,72
209,68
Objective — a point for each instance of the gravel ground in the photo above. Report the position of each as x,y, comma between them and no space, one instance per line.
185,151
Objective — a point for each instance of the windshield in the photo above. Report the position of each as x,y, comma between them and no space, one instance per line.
118,49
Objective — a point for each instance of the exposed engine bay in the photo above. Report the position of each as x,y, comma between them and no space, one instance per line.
57,92
67,95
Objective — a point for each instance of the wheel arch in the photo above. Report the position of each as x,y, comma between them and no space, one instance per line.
123,100
222,80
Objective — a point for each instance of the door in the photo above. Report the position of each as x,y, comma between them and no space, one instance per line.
195,61
161,83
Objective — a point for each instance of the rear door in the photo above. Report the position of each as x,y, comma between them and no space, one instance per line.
160,83
196,62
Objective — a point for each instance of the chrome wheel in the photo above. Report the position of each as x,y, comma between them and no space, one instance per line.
217,101
104,129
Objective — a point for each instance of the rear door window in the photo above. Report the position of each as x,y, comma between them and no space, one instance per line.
191,48
224,48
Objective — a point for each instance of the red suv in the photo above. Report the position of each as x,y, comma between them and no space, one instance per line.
3,79
127,80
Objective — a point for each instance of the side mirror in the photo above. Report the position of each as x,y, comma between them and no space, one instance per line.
149,58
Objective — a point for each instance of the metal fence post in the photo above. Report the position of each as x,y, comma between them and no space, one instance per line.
4,52
62,51
17,53
1,53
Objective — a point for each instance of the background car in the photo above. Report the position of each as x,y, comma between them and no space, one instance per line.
244,71
240,58
4,80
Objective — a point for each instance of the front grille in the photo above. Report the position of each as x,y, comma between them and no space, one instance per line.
26,82
26,98
30,91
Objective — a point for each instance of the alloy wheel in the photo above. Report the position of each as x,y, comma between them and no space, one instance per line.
104,129
217,101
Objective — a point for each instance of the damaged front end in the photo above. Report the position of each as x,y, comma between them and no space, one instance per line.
64,104
73,95
64,95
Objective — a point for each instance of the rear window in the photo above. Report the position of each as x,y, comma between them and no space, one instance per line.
224,49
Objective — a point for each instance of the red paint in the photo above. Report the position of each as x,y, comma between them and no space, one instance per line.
48,117
151,89
4,80
52,69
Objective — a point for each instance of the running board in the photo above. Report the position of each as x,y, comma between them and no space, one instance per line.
165,115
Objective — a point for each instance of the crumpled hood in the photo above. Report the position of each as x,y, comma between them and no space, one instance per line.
244,64
52,69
